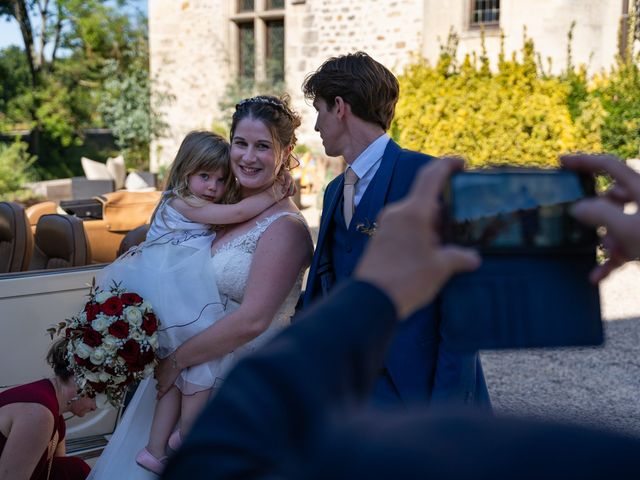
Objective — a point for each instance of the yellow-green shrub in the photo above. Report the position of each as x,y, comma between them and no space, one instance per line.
512,115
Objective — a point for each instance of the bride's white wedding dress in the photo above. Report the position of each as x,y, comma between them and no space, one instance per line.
232,263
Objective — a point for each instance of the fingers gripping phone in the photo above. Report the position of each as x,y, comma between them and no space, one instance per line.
517,210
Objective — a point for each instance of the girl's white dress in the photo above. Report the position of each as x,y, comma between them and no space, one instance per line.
232,265
171,270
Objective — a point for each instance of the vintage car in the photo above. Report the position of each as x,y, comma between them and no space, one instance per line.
64,252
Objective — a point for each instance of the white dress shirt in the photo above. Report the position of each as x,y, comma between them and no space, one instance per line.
367,164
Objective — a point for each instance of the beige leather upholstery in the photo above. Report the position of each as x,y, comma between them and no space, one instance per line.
121,213
60,242
16,239
104,243
34,212
134,237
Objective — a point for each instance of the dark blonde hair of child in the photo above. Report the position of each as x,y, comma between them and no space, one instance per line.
201,151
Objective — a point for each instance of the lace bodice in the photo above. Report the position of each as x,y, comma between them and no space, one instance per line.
232,264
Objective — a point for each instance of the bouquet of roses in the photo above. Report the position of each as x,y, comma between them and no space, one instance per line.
112,343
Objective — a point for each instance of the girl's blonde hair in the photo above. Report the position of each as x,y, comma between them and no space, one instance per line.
199,151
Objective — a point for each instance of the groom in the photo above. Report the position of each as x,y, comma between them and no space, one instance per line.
355,98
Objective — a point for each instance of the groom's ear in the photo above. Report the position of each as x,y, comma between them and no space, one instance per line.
341,107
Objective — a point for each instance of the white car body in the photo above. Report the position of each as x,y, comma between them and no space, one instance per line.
30,302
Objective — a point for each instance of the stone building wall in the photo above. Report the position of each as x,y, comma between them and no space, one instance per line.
389,30
189,61
190,53
547,22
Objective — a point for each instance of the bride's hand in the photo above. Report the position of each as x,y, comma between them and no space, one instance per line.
166,375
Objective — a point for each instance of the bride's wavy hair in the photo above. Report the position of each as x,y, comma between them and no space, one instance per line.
199,151
278,117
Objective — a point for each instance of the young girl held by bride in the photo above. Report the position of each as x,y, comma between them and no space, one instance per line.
171,271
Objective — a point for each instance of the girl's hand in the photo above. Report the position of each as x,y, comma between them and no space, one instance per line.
286,181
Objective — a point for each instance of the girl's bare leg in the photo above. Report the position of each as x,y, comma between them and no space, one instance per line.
165,418
192,405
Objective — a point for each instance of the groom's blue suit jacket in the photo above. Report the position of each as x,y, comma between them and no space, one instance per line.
418,364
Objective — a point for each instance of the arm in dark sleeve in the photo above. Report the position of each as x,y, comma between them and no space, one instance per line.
264,415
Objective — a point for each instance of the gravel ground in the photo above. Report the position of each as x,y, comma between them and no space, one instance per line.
598,386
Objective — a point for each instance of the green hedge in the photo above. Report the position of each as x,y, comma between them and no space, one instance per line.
515,113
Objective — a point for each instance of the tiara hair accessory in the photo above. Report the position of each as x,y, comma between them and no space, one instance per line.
261,99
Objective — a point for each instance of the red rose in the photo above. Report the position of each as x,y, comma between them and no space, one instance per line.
147,357
130,353
112,306
80,361
149,323
92,310
72,332
98,387
119,329
131,299
91,337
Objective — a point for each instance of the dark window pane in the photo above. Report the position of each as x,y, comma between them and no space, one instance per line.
274,4
246,5
247,50
485,12
275,51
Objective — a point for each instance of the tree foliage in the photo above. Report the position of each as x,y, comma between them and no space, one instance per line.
61,80
15,170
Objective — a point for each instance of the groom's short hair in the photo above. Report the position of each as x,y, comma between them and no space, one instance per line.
366,85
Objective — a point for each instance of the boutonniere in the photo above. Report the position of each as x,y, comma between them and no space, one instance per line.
367,228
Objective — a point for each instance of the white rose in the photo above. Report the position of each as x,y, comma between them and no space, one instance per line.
83,350
101,323
145,306
102,296
102,400
133,316
104,377
98,355
137,335
92,377
110,344
119,379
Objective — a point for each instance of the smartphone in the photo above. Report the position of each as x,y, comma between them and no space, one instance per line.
517,210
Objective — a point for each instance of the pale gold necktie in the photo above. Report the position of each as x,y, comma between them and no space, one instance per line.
350,180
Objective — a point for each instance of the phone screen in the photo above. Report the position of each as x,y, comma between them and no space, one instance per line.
507,210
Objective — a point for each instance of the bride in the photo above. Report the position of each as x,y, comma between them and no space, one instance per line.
259,266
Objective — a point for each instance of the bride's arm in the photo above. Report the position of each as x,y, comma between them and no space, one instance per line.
282,251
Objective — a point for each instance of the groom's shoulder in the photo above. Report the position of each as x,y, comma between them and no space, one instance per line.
412,160
408,158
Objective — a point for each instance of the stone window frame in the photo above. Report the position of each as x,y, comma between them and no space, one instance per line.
484,5
260,16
